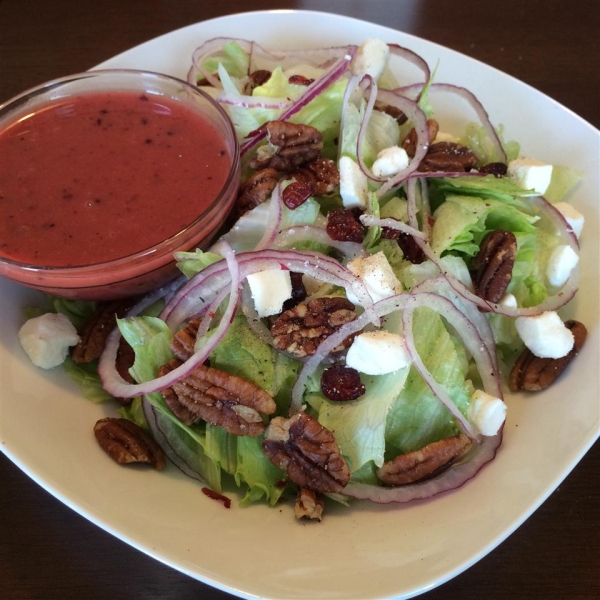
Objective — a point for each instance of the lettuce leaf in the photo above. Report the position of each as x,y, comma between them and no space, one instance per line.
418,418
234,59
190,263
86,376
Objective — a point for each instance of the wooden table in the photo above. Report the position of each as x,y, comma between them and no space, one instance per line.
49,552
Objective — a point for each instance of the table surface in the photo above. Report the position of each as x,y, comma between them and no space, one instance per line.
46,550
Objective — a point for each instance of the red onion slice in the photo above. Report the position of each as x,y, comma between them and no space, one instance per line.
413,58
453,478
244,101
115,385
371,221
311,233
273,219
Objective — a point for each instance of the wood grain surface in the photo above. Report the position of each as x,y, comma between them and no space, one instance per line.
48,551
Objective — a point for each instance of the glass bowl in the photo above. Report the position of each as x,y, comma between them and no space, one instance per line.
94,268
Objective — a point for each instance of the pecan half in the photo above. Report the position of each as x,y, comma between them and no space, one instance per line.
97,328
300,330
424,463
291,146
309,505
125,442
221,399
321,174
447,156
410,141
493,264
255,190
184,340
532,374
307,452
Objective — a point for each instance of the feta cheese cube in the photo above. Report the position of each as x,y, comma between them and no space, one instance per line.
508,301
46,339
371,58
270,289
354,187
487,413
545,335
377,353
530,174
377,274
560,264
572,216
390,161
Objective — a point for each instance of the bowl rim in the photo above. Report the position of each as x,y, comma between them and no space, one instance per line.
166,245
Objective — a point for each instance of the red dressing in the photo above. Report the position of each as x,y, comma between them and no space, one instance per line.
104,175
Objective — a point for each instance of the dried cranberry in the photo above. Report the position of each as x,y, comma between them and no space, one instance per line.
300,80
341,383
411,250
343,226
260,77
497,169
297,193
298,291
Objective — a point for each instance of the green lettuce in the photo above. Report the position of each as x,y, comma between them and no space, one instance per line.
190,263
233,58
477,138
87,378
564,180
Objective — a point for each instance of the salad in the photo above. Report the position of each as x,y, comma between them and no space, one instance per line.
380,282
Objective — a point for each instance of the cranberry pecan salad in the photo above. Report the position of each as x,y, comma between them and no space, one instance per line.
345,337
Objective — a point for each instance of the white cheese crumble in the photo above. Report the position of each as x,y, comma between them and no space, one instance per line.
377,274
572,216
270,289
47,339
545,335
390,161
530,174
561,263
487,413
354,187
377,353
371,58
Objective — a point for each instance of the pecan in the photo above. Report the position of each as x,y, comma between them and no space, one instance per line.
497,169
321,174
300,330
97,328
410,141
447,156
220,399
307,452
123,362
291,146
341,383
125,442
309,504
296,193
185,415
255,190
493,264
299,80
424,463
344,226
532,374
392,111
255,79
184,340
